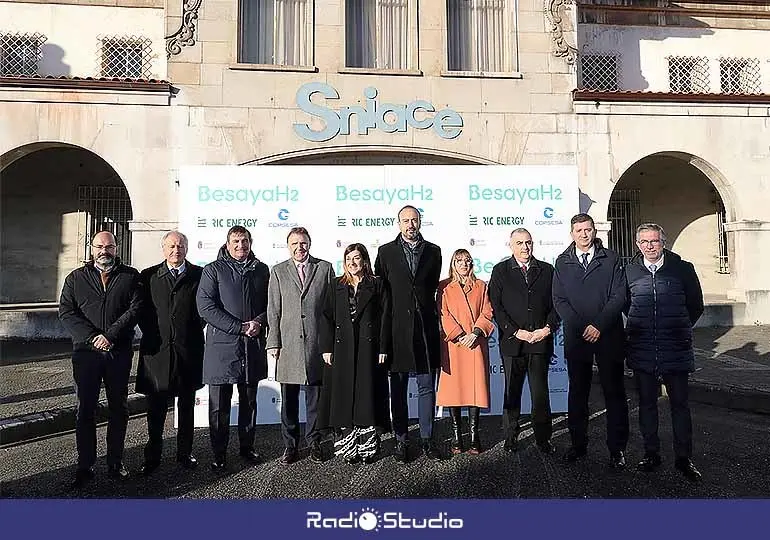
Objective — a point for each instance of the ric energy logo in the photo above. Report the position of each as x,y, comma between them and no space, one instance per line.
370,519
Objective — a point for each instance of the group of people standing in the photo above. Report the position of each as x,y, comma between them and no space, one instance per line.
350,344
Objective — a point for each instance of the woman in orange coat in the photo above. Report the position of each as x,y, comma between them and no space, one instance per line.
466,321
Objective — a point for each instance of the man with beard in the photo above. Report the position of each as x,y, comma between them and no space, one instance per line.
232,299
411,267
299,290
99,307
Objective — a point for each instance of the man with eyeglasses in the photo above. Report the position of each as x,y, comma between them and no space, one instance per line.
665,302
99,307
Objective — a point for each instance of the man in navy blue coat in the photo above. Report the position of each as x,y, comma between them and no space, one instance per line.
665,302
589,294
232,299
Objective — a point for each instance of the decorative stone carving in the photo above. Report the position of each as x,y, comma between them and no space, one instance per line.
185,34
555,13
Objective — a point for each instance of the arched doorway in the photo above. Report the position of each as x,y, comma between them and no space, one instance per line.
672,190
54,197
371,155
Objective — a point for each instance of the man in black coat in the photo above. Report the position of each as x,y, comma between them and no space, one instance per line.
520,293
232,299
99,307
411,267
171,350
589,293
665,302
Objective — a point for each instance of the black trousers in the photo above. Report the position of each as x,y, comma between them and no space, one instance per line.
89,369
220,396
426,403
580,371
290,414
517,368
157,408
681,421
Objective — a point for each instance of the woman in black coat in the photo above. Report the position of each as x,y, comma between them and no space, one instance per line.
355,382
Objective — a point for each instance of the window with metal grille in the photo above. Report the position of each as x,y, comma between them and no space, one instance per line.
599,72
20,54
724,260
688,74
740,76
104,208
125,57
623,213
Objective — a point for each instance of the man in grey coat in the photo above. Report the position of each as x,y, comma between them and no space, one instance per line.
297,295
232,299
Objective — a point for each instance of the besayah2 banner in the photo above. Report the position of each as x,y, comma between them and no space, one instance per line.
465,206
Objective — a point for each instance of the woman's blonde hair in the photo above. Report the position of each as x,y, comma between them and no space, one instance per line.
464,253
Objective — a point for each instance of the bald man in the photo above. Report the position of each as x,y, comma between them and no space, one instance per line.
99,308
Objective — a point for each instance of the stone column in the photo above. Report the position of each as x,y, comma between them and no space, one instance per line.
750,241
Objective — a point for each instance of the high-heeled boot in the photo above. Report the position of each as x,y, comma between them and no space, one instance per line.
473,423
457,431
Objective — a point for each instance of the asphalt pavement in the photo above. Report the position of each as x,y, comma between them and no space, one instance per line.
731,450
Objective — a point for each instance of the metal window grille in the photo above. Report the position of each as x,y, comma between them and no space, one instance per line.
688,74
623,213
724,261
20,54
599,72
125,57
104,208
740,76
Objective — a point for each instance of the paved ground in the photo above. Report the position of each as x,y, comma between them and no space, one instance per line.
731,449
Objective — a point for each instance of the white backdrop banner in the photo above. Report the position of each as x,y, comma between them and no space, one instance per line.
472,207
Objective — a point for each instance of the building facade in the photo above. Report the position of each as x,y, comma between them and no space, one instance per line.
663,106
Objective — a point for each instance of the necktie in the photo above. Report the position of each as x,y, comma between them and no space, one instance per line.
584,256
175,273
524,271
301,271
653,268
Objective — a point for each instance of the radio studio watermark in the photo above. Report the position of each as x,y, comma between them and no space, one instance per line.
371,519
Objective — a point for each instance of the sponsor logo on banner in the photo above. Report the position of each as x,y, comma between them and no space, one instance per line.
209,194
371,519
544,192
387,195
550,218
485,267
496,221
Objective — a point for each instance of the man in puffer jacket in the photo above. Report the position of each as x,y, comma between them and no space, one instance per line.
665,301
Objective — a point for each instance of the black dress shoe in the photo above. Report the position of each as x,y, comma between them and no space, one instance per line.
82,477
618,460
574,453
148,468
188,462
251,455
546,448
511,445
219,465
316,452
400,454
117,472
686,467
650,462
429,449
289,456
